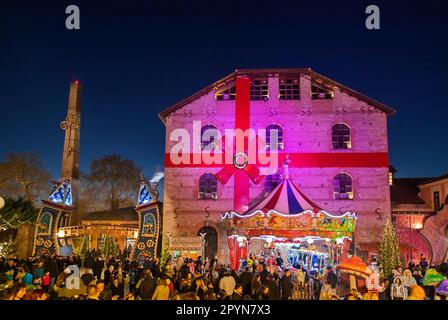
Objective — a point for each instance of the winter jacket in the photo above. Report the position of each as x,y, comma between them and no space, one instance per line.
398,291
246,279
161,293
332,279
147,288
274,292
52,267
287,287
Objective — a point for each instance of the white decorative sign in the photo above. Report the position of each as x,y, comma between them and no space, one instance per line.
186,243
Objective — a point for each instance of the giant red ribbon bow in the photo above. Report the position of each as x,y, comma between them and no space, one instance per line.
241,170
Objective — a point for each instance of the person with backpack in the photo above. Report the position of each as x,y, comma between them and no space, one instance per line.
146,286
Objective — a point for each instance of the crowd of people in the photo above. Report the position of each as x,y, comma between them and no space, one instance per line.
260,277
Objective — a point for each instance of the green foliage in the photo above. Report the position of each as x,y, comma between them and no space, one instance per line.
85,246
110,246
16,212
164,257
7,248
389,252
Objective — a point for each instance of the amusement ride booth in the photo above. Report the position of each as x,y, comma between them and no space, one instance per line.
289,224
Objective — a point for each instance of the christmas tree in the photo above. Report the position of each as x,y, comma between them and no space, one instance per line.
110,247
85,245
389,252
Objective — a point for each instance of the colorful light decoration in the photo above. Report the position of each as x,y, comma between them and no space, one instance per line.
144,195
62,194
233,214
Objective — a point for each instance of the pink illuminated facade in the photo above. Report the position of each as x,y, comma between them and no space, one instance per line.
336,139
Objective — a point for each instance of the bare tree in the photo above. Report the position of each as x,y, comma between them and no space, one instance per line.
22,175
113,180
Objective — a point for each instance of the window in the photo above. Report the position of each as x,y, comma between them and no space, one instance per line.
45,224
149,224
271,181
289,89
320,92
208,186
229,94
436,200
209,134
391,178
340,135
259,89
342,187
271,144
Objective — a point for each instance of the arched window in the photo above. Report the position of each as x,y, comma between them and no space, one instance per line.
209,134
271,181
340,135
45,222
273,142
208,186
149,224
342,187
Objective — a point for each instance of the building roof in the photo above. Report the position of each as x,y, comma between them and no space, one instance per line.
405,190
265,72
431,180
121,214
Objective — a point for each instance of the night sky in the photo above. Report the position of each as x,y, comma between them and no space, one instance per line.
136,58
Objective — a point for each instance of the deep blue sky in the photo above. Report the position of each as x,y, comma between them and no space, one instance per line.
135,58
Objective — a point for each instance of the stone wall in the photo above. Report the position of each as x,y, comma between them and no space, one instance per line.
24,241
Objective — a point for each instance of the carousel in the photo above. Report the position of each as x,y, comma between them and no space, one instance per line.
289,224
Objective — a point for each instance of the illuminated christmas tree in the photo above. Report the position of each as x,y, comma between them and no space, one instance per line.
110,247
85,245
389,252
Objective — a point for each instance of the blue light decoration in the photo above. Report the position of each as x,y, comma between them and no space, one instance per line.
68,197
62,194
144,196
149,238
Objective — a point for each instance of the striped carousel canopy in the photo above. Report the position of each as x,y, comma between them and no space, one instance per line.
285,199
288,201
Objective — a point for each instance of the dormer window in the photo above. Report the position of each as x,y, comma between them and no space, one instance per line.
259,90
320,92
289,89
225,95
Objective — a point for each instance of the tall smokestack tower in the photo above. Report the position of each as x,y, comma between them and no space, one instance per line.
70,157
